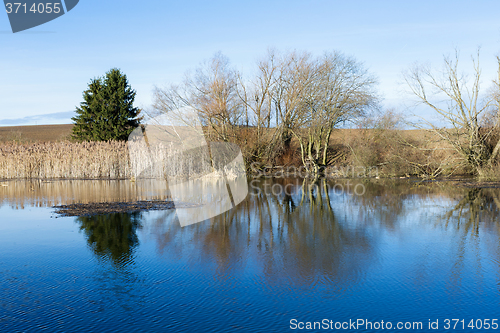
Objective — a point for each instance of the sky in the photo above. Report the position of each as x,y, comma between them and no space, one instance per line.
44,70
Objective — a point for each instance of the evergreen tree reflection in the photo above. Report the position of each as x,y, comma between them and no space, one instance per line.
112,236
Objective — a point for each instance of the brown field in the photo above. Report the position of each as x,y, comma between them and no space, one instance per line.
54,133
35,133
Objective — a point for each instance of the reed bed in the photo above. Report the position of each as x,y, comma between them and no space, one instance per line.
64,160
111,160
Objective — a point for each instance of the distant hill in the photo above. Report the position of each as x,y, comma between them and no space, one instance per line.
41,133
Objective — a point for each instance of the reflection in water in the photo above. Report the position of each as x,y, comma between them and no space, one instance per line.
403,250
112,236
477,205
290,228
315,228
40,193
291,237
392,203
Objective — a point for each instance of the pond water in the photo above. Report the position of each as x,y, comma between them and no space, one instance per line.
292,253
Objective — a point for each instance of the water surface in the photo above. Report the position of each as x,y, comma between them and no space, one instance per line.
397,251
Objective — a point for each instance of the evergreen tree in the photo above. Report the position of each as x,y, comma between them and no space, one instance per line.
107,112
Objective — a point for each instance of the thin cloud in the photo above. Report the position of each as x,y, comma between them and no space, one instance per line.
42,119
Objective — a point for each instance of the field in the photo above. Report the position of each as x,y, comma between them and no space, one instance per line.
39,133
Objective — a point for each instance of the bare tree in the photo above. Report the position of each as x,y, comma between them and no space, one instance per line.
340,89
495,95
276,95
212,92
294,75
301,96
256,96
461,109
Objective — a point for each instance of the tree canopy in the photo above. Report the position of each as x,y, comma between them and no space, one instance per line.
107,111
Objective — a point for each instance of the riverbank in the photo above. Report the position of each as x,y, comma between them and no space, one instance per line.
352,153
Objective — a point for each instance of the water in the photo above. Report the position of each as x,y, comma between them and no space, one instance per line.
396,251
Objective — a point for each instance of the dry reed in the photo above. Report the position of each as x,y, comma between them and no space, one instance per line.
64,160
104,160
167,161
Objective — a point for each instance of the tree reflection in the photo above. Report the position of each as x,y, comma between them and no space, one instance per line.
299,233
477,205
112,236
390,203
290,235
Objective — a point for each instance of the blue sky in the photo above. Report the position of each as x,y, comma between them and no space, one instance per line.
45,70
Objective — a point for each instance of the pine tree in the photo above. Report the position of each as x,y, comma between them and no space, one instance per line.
107,112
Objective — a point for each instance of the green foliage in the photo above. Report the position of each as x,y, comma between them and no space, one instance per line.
107,112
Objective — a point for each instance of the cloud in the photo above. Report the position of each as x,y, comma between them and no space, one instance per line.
43,119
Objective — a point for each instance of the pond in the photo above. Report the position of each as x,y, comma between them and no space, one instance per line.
293,256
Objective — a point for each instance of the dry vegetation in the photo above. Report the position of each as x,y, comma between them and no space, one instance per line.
392,152
31,159
68,160
379,146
